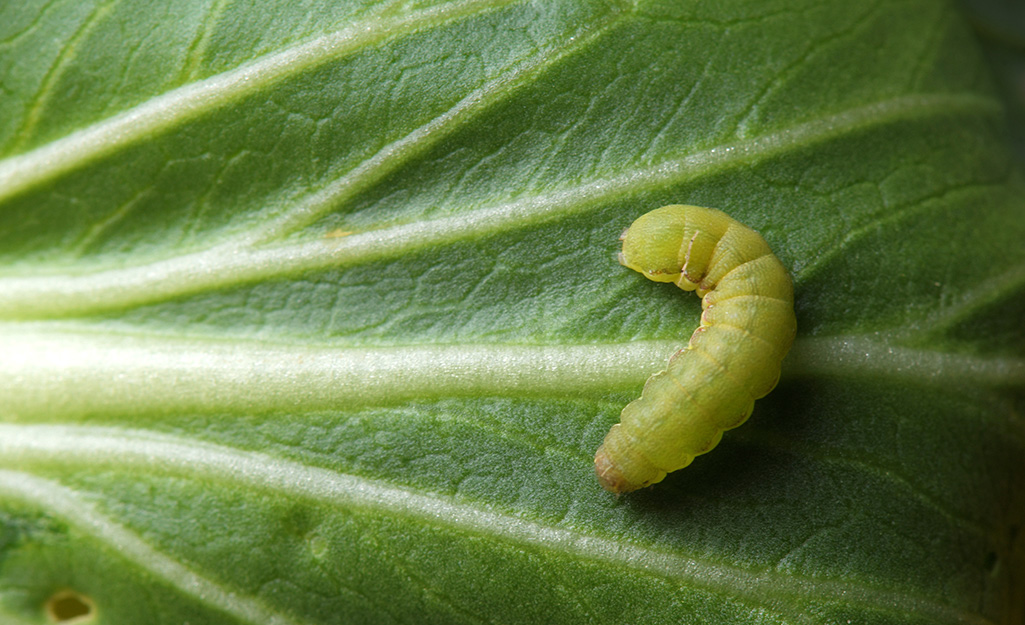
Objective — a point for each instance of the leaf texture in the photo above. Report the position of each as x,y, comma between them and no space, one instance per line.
310,312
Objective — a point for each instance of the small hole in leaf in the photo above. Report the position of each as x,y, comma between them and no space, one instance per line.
67,607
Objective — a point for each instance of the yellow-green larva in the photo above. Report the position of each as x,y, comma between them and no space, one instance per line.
733,358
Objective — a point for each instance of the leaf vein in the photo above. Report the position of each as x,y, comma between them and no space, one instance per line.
67,504
95,446
189,102
53,74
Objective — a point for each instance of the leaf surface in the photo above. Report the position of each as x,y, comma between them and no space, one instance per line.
310,313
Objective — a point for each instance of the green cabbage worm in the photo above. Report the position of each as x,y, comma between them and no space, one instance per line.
733,358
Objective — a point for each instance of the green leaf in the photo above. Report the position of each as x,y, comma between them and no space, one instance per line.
1001,29
310,312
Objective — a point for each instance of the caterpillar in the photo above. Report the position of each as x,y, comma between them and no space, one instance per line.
733,358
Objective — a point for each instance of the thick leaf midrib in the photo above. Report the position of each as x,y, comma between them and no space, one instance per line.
237,262
77,372
54,447
126,374
880,356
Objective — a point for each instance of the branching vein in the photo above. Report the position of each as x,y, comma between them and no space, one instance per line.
92,447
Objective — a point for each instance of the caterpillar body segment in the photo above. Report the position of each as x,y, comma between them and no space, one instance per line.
733,358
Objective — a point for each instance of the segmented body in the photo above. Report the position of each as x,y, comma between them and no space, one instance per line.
733,358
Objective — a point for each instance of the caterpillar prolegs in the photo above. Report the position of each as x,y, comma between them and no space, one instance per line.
733,358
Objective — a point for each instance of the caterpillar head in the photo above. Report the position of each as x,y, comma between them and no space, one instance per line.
651,245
